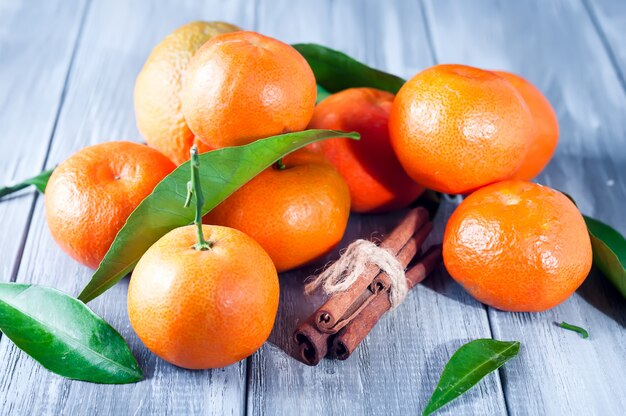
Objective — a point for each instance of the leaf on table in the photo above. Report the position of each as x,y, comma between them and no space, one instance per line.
609,252
467,366
582,331
336,71
40,181
222,172
64,335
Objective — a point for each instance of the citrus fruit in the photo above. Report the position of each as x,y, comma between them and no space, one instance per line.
545,135
203,309
517,246
90,195
371,169
297,214
243,86
157,89
456,128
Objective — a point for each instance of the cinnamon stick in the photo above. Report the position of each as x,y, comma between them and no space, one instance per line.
312,344
350,336
338,306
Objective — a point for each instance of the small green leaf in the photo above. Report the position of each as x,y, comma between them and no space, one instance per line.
467,366
64,335
222,172
40,181
609,252
583,333
336,71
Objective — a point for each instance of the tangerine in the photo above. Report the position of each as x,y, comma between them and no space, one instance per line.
297,212
243,86
371,169
517,246
456,128
545,135
91,194
157,89
203,309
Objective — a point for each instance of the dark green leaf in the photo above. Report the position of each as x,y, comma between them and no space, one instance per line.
468,365
64,335
609,252
222,172
583,333
40,181
336,71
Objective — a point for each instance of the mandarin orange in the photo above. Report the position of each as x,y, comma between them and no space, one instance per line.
157,90
90,195
456,128
371,169
243,86
517,246
297,213
545,135
203,309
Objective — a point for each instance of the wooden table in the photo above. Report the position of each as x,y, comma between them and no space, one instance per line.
67,70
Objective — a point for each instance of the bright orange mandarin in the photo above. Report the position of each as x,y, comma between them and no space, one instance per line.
90,195
456,128
376,180
157,90
517,246
203,309
545,135
297,214
243,86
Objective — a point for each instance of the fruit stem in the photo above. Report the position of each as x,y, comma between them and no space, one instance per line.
194,188
280,165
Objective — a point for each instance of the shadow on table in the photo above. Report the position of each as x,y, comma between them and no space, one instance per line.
602,295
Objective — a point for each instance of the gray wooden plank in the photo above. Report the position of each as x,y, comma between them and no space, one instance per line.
554,45
397,367
33,68
117,38
609,17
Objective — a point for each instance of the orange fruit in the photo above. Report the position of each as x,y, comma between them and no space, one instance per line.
90,195
203,309
297,214
157,89
517,246
456,128
545,135
243,86
371,169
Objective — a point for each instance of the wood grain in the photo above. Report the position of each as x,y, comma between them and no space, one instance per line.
556,47
397,367
33,67
116,40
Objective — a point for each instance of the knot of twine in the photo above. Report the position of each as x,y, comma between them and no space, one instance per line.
343,273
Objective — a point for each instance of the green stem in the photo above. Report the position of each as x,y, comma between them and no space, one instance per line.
280,165
194,188
583,333
40,181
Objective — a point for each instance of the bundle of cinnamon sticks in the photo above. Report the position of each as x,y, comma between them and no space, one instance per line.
337,328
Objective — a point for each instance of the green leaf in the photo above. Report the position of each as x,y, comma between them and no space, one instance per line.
64,335
40,181
222,172
583,333
336,71
609,252
467,366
